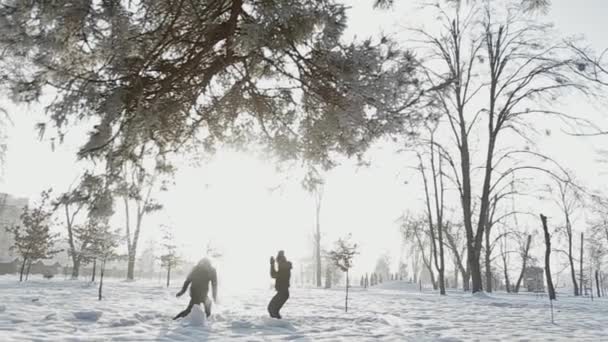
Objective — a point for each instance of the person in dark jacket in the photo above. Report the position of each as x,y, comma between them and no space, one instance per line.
281,276
198,280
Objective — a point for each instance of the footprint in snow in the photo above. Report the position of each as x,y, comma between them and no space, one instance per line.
92,316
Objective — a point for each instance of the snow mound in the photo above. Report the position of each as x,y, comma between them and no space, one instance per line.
197,316
396,285
277,323
88,315
481,295
124,322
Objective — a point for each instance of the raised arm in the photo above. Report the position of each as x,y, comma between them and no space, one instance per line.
273,272
214,285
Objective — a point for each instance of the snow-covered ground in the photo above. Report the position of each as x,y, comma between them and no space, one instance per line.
60,310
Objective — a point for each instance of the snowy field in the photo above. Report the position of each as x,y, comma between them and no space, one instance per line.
60,310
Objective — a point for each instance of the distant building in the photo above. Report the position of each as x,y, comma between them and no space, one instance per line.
11,209
534,279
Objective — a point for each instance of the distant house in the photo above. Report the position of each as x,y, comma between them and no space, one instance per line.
11,209
534,279
40,268
9,267
37,267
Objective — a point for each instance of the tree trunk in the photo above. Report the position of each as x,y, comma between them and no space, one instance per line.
524,263
472,256
455,276
477,283
318,240
466,282
506,272
346,300
550,287
76,257
27,273
488,261
168,275
103,267
131,265
597,283
327,278
581,266
429,266
435,240
433,281
22,269
94,270
602,286
75,266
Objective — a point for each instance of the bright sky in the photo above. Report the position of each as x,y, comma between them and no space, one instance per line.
228,201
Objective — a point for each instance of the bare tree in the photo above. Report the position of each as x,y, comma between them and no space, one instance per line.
524,253
457,244
512,68
136,186
569,201
413,229
550,287
435,205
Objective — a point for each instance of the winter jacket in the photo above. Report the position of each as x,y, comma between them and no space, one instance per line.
282,275
199,279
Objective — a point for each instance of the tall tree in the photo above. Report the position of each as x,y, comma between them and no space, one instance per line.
72,203
569,201
179,74
136,188
524,253
510,68
435,207
413,229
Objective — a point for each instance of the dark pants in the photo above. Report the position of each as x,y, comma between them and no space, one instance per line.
277,302
206,304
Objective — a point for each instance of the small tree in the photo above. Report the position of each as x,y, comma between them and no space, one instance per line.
33,239
342,256
169,259
103,247
85,234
